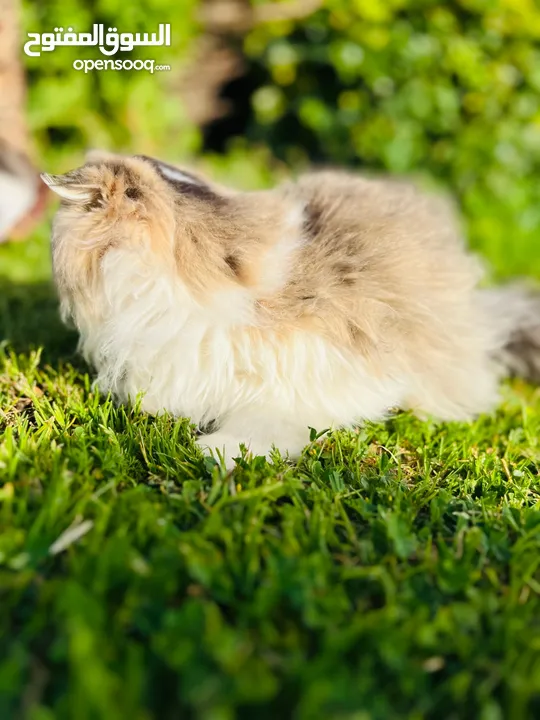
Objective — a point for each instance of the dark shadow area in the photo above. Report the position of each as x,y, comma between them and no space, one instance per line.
29,319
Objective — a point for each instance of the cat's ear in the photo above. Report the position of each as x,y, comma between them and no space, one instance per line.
171,173
69,188
174,174
186,184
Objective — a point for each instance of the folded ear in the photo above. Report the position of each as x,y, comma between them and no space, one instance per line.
171,173
185,183
174,174
68,188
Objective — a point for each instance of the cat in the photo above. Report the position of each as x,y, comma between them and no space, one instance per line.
21,194
322,303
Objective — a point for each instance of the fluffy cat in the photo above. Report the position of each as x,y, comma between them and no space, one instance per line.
318,304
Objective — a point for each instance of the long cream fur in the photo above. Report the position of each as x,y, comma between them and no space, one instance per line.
319,304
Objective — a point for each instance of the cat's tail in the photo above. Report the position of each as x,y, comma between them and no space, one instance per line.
513,313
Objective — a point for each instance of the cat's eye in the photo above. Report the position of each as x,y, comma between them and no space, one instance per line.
133,193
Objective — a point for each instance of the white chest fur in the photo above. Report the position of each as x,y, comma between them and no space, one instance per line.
214,361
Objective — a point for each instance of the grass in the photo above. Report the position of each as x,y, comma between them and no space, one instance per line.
393,572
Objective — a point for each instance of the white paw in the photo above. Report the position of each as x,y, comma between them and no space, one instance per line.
220,443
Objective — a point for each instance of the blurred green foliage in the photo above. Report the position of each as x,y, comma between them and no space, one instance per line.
446,90
71,111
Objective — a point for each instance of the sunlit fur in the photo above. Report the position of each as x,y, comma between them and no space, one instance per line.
318,304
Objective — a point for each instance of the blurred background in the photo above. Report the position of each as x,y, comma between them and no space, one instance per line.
448,92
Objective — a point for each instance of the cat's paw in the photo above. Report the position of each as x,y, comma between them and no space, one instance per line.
220,443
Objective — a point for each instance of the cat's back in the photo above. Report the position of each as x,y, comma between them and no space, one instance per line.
378,257
341,204
377,233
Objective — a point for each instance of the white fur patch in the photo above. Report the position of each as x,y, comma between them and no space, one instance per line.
263,388
279,259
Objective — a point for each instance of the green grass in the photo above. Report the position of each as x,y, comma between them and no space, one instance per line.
391,573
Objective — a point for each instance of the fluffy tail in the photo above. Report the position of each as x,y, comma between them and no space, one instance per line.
514,315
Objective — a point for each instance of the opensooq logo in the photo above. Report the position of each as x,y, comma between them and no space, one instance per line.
109,43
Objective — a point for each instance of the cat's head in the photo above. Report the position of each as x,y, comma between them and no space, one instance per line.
132,217
127,224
